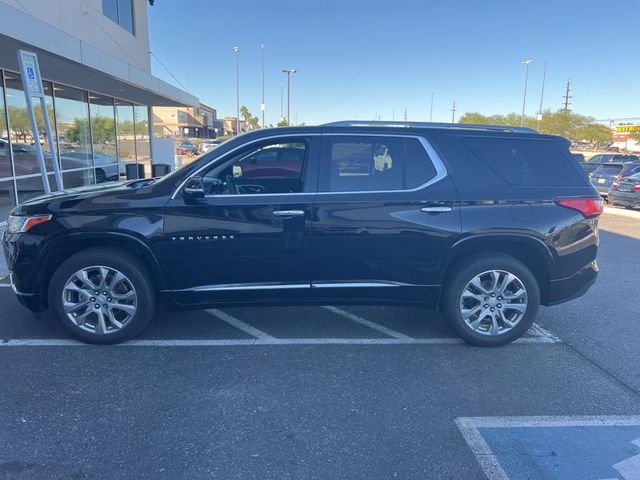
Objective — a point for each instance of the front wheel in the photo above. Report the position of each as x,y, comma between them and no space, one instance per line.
490,300
102,296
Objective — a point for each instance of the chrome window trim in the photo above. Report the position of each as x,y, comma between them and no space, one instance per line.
441,170
223,158
438,164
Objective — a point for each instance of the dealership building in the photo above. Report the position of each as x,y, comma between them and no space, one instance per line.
95,63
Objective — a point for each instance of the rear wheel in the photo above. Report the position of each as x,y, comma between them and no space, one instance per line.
490,300
102,296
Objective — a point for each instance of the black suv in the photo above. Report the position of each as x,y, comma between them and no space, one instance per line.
484,222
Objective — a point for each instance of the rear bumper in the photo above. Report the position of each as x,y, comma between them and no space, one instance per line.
572,287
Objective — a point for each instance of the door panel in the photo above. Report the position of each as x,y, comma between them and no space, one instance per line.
381,246
243,247
384,241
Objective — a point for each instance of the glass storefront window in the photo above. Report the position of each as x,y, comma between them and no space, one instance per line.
5,156
32,187
143,148
103,129
124,127
7,199
22,142
74,139
78,178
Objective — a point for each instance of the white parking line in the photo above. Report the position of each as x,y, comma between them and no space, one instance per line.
539,332
239,324
367,323
5,285
268,340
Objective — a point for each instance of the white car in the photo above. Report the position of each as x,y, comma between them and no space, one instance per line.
208,146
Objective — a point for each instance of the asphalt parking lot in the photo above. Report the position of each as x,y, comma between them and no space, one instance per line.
333,393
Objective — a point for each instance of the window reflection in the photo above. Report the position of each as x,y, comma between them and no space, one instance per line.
79,178
72,114
7,199
103,130
143,148
126,137
20,133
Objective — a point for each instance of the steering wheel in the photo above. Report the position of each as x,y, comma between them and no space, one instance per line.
231,185
248,189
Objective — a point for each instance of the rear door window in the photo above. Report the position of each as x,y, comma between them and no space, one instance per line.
527,162
354,163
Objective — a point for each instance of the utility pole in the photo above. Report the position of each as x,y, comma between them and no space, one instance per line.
567,97
405,114
431,110
393,114
289,72
453,112
544,78
237,50
526,63
262,105
281,102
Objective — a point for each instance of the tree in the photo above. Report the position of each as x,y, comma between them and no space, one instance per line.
567,124
250,122
282,123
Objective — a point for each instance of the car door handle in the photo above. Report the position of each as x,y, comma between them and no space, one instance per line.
435,209
288,213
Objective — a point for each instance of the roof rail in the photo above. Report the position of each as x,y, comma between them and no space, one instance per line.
466,126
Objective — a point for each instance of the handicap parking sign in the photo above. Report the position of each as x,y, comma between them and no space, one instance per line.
580,448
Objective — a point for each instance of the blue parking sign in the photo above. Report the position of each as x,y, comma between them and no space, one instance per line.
581,448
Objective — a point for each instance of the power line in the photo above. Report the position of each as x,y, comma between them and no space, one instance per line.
169,71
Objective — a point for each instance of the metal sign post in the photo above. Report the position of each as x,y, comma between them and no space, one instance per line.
32,86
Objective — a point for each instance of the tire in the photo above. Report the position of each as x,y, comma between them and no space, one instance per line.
126,303
485,334
100,175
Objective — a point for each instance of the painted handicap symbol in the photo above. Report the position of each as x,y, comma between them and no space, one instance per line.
567,448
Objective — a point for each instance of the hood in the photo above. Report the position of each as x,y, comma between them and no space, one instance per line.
75,194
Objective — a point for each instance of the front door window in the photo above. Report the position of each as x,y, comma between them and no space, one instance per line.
271,168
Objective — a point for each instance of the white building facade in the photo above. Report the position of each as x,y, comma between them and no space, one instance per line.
95,62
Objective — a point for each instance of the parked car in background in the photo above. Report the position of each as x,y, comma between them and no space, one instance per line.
205,147
603,177
611,148
578,156
186,148
456,218
626,192
580,145
615,158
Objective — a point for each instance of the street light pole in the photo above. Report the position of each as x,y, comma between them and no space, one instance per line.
524,98
289,72
431,110
544,78
237,50
262,105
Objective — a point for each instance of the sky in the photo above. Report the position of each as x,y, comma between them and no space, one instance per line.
360,59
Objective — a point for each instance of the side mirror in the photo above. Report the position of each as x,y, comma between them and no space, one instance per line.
194,188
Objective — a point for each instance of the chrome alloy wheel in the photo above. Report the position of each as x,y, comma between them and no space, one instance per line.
100,300
493,302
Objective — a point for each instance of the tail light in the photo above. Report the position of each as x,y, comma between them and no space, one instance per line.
615,185
636,188
589,207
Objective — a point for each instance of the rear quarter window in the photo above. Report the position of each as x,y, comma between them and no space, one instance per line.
527,162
